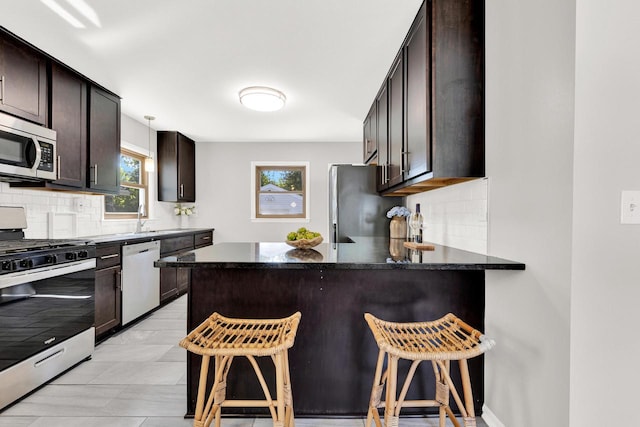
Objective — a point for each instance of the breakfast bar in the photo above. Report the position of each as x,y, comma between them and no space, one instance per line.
333,285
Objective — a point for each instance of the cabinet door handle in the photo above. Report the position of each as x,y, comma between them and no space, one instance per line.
2,89
181,190
206,238
58,166
109,256
118,284
95,174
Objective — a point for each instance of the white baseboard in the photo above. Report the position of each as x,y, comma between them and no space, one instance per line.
490,418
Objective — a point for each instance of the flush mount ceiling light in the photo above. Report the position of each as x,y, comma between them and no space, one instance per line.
262,98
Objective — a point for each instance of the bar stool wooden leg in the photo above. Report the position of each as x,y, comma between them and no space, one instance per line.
217,394
279,422
390,418
470,419
202,389
288,394
376,392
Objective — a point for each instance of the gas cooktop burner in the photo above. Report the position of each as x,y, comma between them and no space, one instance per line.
19,255
25,245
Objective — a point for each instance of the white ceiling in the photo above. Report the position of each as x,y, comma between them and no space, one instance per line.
185,61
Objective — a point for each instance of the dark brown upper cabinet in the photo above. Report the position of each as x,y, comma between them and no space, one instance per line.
86,117
382,156
104,142
69,120
176,167
435,110
23,80
370,135
395,114
457,78
417,150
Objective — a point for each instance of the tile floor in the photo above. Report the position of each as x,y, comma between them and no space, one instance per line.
137,378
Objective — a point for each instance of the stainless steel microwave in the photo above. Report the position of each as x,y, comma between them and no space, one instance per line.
27,150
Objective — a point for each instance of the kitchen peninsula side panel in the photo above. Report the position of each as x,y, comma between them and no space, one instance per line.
334,356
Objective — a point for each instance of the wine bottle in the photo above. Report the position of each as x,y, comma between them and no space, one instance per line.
415,225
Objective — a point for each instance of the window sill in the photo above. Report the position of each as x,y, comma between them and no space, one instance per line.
295,220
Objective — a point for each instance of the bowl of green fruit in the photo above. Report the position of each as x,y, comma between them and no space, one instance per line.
303,238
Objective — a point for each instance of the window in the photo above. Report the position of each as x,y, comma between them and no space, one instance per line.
280,190
133,189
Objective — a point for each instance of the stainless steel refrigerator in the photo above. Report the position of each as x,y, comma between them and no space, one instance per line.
355,208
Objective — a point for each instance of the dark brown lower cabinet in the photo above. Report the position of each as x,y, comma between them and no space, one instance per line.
174,282
108,289
183,278
168,284
107,299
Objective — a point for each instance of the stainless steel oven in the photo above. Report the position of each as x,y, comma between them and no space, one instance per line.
27,150
47,309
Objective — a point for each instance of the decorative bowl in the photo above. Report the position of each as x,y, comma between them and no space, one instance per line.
304,243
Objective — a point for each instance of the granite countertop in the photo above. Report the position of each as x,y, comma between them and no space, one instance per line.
365,253
143,236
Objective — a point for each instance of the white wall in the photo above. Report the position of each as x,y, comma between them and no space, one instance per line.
223,186
530,49
81,214
455,216
606,280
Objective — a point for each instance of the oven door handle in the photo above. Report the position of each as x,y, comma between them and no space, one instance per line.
28,276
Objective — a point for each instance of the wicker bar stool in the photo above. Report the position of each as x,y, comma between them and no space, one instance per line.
439,341
224,338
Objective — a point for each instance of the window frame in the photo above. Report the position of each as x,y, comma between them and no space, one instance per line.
143,185
256,168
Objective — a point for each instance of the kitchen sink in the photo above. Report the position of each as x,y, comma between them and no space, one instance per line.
133,235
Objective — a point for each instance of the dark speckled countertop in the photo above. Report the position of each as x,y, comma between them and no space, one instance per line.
127,238
365,253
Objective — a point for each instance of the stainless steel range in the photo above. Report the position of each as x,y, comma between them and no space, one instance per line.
47,306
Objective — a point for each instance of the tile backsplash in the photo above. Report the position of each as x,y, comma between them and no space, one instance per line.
59,214
456,215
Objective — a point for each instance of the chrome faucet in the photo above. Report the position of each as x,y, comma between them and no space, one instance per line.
139,223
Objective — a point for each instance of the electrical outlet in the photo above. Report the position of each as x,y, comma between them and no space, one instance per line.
630,207
78,204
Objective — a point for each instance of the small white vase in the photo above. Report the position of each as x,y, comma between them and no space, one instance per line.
184,221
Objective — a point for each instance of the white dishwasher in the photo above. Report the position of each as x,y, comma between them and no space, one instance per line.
140,279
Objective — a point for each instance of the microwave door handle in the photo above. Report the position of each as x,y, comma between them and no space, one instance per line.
36,162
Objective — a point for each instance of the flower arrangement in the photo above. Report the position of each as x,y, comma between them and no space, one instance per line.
184,210
398,211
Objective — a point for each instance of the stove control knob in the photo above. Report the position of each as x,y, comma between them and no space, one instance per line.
26,263
83,254
70,256
9,265
51,259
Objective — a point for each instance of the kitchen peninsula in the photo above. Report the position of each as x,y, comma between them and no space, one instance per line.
333,285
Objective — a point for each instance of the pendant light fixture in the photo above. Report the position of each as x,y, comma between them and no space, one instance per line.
149,165
262,98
